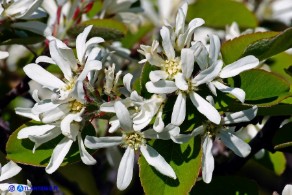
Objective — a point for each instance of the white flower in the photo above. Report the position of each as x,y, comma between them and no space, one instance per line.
122,11
132,140
21,9
7,171
225,133
166,10
63,56
142,110
180,36
213,71
40,134
63,112
185,84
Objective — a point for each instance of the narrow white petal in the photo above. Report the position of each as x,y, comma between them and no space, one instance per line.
123,116
181,138
45,59
42,76
55,114
241,116
187,62
166,134
66,126
43,106
208,74
179,110
9,170
127,81
115,124
102,142
80,43
236,92
207,160
92,43
203,58
26,112
198,131
125,172
214,48
243,64
3,55
181,82
89,66
180,22
195,23
158,125
35,130
205,108
157,161
59,153
85,156
287,190
78,92
43,138
157,75
166,43
161,87
212,88
59,56
107,107
239,147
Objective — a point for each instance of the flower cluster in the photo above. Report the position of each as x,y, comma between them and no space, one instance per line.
183,68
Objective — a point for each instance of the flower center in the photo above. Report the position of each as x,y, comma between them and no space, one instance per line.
76,106
191,86
133,140
65,91
172,67
212,129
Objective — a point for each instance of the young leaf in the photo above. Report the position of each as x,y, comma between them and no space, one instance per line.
232,50
185,160
144,78
20,150
219,13
262,45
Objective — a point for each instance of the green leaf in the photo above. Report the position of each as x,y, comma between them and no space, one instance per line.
262,45
276,162
266,48
106,28
226,185
144,78
219,13
185,159
134,38
259,86
97,6
233,50
280,64
20,151
21,37
282,140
